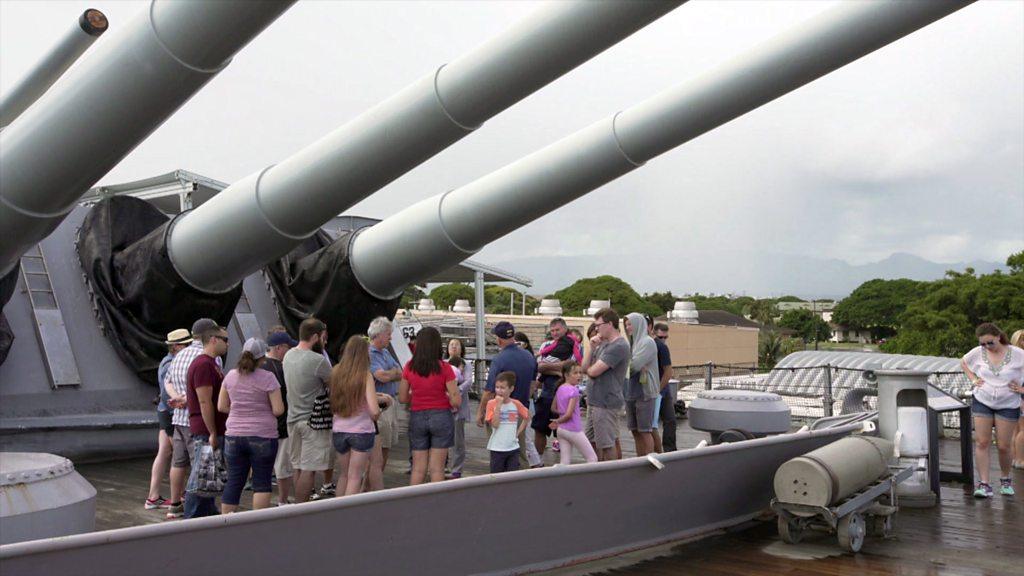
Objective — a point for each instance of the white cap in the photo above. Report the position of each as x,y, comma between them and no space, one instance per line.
256,347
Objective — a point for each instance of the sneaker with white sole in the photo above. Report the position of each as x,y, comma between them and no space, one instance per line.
1006,487
175,510
983,490
325,491
156,503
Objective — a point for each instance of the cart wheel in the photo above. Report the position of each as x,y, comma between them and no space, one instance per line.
882,526
790,532
850,532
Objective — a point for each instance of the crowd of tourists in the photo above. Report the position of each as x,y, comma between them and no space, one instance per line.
284,413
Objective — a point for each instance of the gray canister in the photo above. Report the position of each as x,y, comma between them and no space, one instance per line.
830,473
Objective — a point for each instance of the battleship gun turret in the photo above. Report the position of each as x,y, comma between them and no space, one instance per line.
90,25
101,109
255,255
441,231
149,275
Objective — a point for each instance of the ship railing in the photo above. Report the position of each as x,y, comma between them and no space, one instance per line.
811,391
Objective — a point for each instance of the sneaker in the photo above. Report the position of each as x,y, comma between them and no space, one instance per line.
175,510
155,503
1006,487
983,491
555,445
328,490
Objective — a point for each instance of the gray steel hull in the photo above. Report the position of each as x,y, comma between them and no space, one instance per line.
503,524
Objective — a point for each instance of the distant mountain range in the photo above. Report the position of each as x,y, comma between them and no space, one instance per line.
732,272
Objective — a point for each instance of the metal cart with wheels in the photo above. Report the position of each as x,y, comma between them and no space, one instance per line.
870,510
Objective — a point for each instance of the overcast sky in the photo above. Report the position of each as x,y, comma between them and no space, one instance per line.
917,148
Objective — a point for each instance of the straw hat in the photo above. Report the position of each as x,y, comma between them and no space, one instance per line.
179,336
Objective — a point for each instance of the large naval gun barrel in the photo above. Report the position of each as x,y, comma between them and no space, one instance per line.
102,108
88,27
150,274
277,208
439,232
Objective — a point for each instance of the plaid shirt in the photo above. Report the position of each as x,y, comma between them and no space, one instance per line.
177,375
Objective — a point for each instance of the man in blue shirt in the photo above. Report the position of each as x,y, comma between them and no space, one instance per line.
387,373
513,359
668,401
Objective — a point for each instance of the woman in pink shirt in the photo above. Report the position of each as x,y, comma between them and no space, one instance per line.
251,397
356,407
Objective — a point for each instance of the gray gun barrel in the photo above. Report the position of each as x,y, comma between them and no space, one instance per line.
89,26
275,209
106,105
439,232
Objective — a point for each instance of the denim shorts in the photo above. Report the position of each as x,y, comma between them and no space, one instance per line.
431,429
243,454
358,441
983,411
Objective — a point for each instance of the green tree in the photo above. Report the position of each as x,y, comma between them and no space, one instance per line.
1016,263
496,300
763,311
576,298
790,299
807,324
876,305
736,306
411,297
772,347
445,295
664,301
942,321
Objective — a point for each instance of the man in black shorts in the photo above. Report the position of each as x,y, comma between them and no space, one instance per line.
550,368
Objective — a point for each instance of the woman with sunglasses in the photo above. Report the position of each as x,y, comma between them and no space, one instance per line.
1018,437
996,370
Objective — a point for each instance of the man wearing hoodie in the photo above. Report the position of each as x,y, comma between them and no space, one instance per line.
642,383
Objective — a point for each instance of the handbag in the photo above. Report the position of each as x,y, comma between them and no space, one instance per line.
211,474
320,418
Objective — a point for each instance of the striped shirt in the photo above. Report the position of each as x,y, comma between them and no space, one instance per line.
178,377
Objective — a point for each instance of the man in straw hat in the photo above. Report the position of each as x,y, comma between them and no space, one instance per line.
181,439
176,341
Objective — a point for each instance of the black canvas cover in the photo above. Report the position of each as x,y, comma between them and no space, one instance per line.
7,284
316,280
123,250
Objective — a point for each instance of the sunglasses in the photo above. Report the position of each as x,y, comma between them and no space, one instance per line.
223,339
662,337
988,344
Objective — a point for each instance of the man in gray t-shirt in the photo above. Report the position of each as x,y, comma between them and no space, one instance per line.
307,374
607,388
607,372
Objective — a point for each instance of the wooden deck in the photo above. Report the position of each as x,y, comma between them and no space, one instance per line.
961,536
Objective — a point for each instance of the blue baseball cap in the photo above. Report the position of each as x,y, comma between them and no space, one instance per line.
504,329
278,338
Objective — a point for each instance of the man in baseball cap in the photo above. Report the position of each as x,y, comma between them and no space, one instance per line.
511,358
278,338
504,330
202,325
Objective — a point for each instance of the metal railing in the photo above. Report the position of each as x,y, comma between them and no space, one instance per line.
812,391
